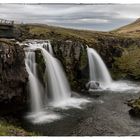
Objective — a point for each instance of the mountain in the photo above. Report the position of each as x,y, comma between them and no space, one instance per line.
131,29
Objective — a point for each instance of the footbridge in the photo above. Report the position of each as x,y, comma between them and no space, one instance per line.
6,28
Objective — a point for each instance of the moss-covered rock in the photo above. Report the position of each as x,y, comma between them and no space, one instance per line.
11,129
135,105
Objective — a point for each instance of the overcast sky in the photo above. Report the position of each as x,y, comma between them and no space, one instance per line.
94,17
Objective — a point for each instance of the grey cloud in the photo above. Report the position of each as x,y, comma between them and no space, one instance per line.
94,17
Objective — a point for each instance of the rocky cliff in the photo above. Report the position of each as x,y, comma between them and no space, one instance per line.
116,53
13,76
73,56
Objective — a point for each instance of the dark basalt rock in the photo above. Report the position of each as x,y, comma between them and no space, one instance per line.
135,107
41,68
135,112
13,75
73,56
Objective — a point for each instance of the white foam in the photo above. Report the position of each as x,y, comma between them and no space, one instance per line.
122,86
43,117
70,103
49,115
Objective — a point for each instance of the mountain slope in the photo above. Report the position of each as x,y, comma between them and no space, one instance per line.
133,28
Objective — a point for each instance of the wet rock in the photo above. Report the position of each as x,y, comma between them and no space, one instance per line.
135,112
92,85
13,75
73,56
135,107
41,68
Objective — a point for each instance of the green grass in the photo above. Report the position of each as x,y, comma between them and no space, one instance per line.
129,62
59,32
8,129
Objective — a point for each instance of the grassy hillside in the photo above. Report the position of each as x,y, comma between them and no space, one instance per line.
45,31
132,29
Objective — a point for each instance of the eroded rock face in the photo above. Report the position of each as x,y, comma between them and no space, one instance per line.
73,56
13,76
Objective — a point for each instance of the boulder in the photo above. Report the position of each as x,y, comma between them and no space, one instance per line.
92,85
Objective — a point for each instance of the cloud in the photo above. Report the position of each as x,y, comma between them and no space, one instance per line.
95,17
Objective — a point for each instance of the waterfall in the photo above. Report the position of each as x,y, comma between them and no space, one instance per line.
100,73
98,69
48,47
35,87
56,84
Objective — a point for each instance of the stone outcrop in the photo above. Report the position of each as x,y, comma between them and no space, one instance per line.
13,76
73,56
135,107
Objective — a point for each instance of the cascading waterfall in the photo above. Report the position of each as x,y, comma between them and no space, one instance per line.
98,69
48,47
57,84
34,86
99,73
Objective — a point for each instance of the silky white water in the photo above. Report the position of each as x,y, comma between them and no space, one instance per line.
56,84
97,68
48,47
100,73
34,85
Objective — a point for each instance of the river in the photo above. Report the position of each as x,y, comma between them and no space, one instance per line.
106,115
